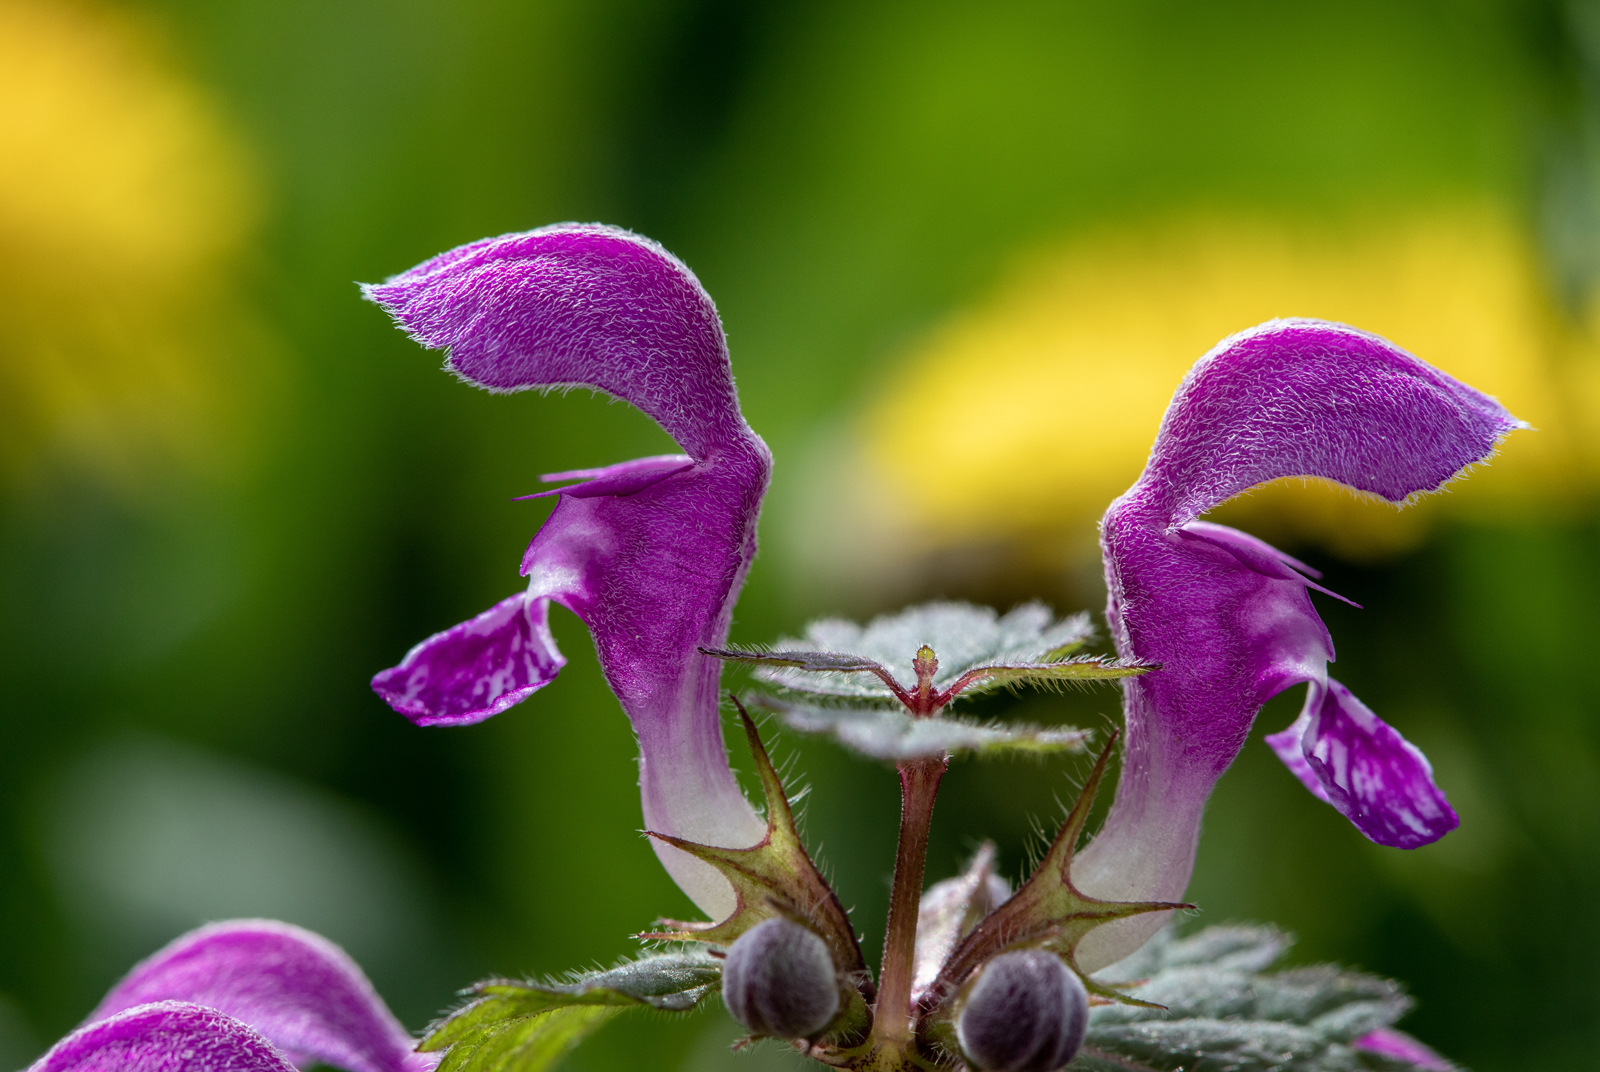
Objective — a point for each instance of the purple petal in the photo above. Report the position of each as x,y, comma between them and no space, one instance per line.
625,478
1355,761
476,669
1311,398
297,989
1391,1043
651,553
577,304
1228,617
169,1036
1232,625
1285,744
654,572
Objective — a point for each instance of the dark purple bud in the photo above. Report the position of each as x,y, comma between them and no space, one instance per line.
1026,1013
779,980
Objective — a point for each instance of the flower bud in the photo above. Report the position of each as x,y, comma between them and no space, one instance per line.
779,980
1026,1013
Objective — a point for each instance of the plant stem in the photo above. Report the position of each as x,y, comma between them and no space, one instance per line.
919,786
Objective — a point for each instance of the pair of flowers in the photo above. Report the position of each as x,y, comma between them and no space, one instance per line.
651,555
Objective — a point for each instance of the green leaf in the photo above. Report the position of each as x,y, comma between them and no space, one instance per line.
1249,947
529,1043
1226,1013
965,637
1214,1046
894,734
1082,669
816,662
525,1026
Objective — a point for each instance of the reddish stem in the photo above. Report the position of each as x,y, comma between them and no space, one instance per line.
894,686
919,786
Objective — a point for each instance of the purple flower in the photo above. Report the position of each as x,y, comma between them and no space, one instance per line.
242,996
1230,619
649,553
1402,1047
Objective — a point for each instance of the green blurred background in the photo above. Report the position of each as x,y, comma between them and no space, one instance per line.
230,491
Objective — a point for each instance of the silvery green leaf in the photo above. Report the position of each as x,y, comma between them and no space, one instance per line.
1336,1004
526,1026
963,636
1251,948
1225,1012
894,734
1203,1045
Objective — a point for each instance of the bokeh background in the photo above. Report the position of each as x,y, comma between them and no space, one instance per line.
963,253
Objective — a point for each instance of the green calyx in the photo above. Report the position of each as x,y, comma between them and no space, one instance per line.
1048,912
776,877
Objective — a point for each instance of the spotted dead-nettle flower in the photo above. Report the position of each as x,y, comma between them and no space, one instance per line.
649,553
1230,619
241,996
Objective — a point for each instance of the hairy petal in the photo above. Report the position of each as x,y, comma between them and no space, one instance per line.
1352,759
296,988
1228,617
577,305
651,553
1312,398
167,1036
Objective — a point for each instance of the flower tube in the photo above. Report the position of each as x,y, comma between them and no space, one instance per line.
1230,618
650,554
241,996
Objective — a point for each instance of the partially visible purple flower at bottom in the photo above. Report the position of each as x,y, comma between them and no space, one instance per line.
241,996
164,1036
1391,1043
1230,619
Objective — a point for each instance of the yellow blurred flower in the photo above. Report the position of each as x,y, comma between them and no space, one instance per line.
123,199
1027,414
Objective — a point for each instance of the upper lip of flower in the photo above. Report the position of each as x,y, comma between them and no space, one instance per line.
649,553
1230,618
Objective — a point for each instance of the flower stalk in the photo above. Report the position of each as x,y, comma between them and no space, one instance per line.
919,788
